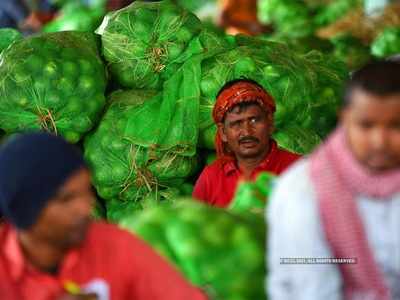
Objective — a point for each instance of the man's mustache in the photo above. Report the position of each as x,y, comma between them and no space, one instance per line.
248,139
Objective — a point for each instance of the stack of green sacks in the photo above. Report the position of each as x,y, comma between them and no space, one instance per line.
219,251
55,82
307,89
126,173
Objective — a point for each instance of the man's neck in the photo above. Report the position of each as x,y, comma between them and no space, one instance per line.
248,165
42,255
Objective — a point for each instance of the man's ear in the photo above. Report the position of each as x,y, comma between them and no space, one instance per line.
342,114
221,132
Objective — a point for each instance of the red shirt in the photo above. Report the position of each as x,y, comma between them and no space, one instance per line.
217,185
112,263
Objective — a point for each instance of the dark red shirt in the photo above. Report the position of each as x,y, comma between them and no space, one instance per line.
111,263
217,184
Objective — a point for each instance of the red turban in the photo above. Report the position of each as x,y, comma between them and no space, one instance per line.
239,92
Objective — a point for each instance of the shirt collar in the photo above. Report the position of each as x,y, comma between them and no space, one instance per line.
15,257
232,166
13,253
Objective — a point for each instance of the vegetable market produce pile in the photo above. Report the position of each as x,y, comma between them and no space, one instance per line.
355,38
54,82
147,139
125,172
138,100
217,250
306,89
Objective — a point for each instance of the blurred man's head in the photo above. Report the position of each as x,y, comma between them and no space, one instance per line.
371,115
45,189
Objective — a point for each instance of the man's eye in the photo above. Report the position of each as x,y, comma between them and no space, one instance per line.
366,124
396,125
235,124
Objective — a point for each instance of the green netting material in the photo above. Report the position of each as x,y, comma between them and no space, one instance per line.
387,43
7,37
54,82
253,196
143,40
124,170
76,16
307,89
174,112
220,251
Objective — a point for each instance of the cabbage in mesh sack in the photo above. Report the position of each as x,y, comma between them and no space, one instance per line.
144,39
8,36
122,169
54,82
222,252
306,89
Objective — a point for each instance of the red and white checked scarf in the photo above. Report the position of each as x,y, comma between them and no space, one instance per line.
338,179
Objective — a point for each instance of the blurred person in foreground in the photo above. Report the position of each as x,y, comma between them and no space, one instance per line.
343,202
244,114
50,248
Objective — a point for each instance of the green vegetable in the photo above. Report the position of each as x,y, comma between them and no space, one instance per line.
39,92
76,16
252,196
387,43
297,82
351,51
7,37
222,252
142,41
123,170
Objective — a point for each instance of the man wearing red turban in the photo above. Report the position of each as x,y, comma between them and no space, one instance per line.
244,115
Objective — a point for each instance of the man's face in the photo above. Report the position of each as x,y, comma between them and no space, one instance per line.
66,218
247,131
372,125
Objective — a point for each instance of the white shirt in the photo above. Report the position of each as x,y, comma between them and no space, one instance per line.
295,231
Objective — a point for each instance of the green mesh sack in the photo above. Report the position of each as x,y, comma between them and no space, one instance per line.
7,37
290,18
76,16
387,43
219,251
251,196
351,51
122,169
174,113
54,82
303,86
143,40
335,10
117,210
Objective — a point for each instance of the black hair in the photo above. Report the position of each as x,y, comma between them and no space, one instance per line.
380,78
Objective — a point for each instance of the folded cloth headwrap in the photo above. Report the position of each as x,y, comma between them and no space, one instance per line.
338,179
240,92
33,167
